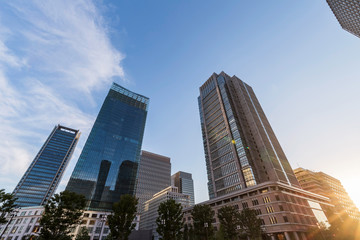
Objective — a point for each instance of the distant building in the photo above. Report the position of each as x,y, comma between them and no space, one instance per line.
150,214
246,166
27,223
42,177
347,13
326,185
185,184
108,164
153,176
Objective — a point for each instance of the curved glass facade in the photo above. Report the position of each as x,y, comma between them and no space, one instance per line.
107,166
44,174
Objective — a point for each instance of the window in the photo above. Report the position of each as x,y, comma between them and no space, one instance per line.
94,216
266,199
255,202
273,219
269,209
277,197
281,208
86,214
285,219
258,211
92,222
245,205
262,221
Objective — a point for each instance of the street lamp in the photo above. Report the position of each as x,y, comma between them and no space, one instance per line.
12,215
206,225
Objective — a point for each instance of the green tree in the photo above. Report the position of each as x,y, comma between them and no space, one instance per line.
250,224
186,232
83,234
229,218
62,213
7,205
121,220
170,220
202,218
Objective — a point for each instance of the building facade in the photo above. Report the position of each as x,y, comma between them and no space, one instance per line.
150,214
347,13
26,222
286,212
42,177
326,185
241,149
108,164
153,176
185,184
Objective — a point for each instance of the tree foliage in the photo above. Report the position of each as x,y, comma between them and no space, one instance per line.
62,213
121,220
83,234
202,218
229,218
7,205
342,227
170,220
250,224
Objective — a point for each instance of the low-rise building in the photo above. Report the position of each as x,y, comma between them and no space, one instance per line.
150,213
286,212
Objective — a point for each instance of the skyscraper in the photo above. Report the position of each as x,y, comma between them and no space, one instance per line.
185,184
347,13
41,179
326,185
246,165
108,164
241,149
153,176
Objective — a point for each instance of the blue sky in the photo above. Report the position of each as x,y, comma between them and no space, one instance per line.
58,59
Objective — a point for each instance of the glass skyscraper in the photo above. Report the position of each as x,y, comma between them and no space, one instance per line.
107,166
241,149
41,179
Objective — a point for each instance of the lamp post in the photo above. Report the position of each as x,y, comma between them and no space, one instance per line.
206,225
12,215
103,221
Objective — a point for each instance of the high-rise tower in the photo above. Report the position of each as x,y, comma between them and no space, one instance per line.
241,149
108,164
185,184
41,179
347,13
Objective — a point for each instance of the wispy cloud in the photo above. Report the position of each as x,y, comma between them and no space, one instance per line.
53,57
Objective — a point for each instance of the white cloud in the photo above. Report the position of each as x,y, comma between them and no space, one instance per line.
53,57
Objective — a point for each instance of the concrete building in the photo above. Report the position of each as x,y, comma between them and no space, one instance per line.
185,184
150,214
285,211
347,13
326,185
43,176
153,176
26,222
246,166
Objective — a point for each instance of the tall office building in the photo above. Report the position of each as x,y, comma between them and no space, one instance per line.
185,184
153,176
246,165
347,13
326,185
108,164
41,179
241,149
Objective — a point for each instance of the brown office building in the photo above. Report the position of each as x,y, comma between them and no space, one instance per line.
246,166
326,185
348,14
